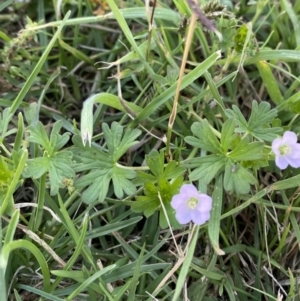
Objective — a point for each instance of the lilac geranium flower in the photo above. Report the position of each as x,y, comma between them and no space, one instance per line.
287,150
190,205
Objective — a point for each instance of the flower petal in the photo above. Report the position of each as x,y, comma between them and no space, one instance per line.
199,218
188,189
275,146
294,162
281,162
295,150
204,204
289,137
178,200
183,216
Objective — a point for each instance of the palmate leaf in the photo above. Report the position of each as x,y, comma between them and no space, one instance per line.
208,168
230,155
259,124
58,166
102,164
150,202
118,144
237,178
155,160
206,138
56,163
39,135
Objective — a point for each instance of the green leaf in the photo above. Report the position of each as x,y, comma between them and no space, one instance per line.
260,121
57,141
240,38
60,170
35,168
227,135
87,158
146,204
209,166
58,166
117,146
173,170
155,162
99,183
150,202
237,178
103,165
215,216
5,118
120,178
245,151
206,138
39,135
6,173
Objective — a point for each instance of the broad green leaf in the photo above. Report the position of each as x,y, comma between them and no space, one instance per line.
121,181
208,170
155,162
173,170
60,170
6,173
150,202
98,184
245,151
142,177
39,135
260,121
237,178
35,168
57,141
206,138
147,204
227,134
118,143
58,166
103,164
237,115
261,114
87,158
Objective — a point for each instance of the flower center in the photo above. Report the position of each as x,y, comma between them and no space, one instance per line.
192,203
284,149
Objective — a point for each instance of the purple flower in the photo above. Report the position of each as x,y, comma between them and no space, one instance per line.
287,150
190,205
